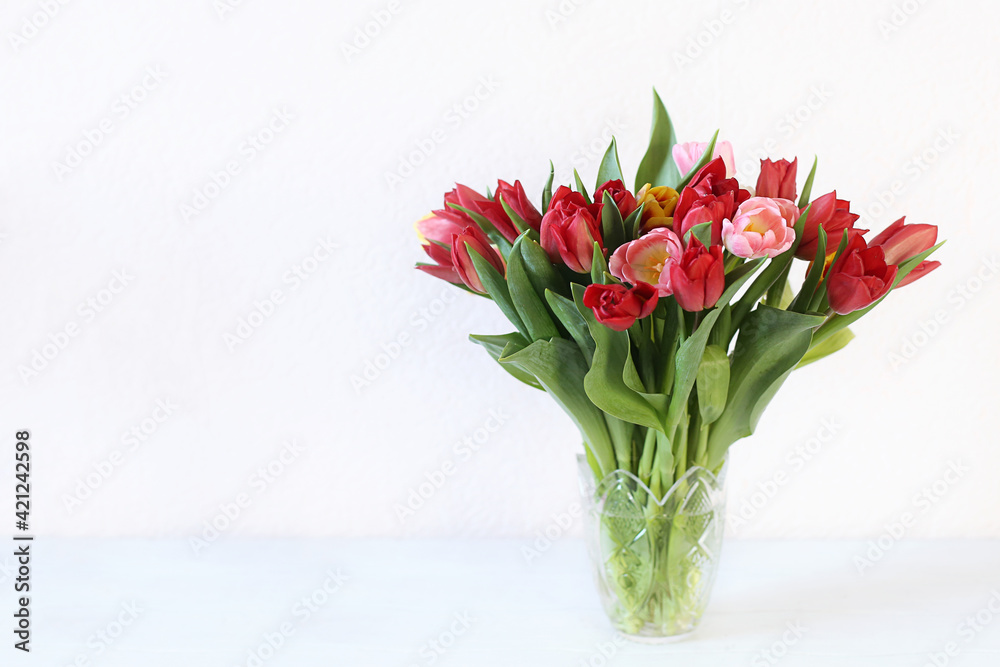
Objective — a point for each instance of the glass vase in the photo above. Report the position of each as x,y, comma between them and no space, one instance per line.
654,559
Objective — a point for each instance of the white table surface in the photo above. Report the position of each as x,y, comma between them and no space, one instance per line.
215,608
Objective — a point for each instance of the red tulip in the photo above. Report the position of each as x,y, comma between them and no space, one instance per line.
710,197
473,238
440,227
618,307
777,179
570,228
516,198
624,200
699,278
463,196
835,216
901,242
859,277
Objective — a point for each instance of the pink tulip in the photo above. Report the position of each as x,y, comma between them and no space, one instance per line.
648,260
762,227
687,155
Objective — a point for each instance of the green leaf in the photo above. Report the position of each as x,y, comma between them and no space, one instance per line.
712,383
560,369
612,225
834,343
802,300
527,299
599,269
702,232
540,270
604,382
569,316
770,344
518,221
611,168
498,346
808,187
547,190
657,166
633,222
496,285
705,158
581,188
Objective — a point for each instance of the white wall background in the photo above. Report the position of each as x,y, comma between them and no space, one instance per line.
868,100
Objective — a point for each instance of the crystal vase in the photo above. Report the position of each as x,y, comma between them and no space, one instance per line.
654,559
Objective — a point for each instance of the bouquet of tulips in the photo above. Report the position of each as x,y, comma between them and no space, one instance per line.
662,319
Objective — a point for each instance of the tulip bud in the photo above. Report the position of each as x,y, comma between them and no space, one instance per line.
473,239
699,277
570,228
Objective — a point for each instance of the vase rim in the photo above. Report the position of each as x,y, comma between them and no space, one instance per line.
691,472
